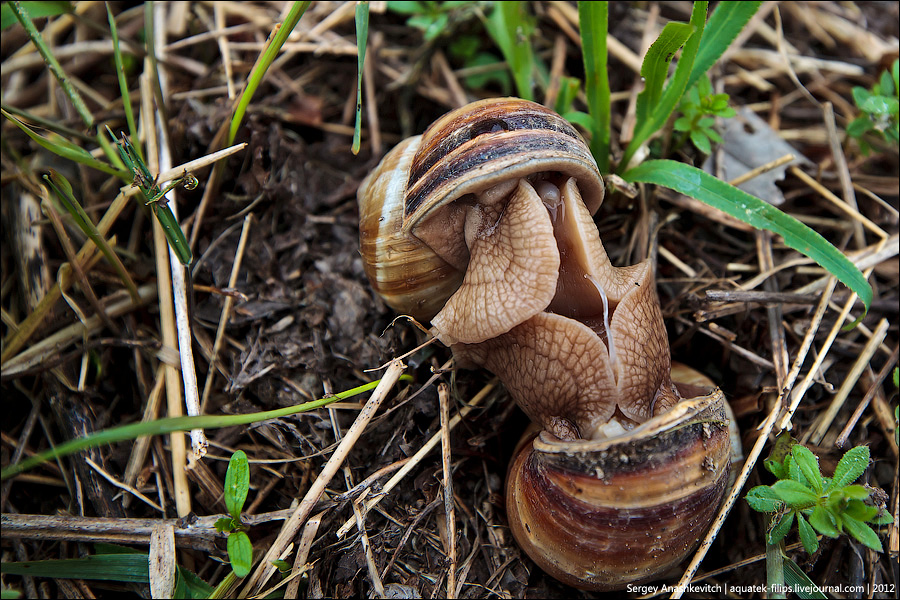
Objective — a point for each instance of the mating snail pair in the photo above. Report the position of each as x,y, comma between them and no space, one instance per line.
483,226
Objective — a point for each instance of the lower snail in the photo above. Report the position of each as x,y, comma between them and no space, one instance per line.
483,226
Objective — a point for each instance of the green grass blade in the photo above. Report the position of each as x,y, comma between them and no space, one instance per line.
35,36
655,114
593,22
655,67
263,63
173,424
172,230
34,10
105,567
63,190
800,583
725,23
511,27
120,72
695,183
362,35
64,148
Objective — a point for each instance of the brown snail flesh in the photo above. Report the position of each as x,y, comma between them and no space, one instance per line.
483,225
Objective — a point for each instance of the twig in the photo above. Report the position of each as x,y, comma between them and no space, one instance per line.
449,512
265,570
874,388
766,429
826,418
421,454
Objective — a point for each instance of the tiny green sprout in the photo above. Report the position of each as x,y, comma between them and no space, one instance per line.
818,504
880,108
432,18
699,108
237,484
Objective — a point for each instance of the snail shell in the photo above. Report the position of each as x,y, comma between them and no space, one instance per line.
602,514
414,205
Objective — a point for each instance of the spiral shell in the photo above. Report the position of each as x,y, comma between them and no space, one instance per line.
411,229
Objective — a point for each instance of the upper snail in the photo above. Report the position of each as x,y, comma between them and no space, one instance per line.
483,225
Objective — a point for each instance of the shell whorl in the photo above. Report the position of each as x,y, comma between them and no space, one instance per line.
465,152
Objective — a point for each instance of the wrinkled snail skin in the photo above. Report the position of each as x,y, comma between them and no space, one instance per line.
483,225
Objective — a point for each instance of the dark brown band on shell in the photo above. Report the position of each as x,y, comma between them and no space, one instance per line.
445,171
603,519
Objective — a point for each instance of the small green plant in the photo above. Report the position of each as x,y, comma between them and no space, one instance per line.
880,109
432,18
237,484
829,506
699,109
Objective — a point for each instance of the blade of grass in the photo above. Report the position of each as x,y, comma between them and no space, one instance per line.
725,23
66,149
265,59
593,22
120,72
695,183
63,190
511,28
657,113
173,424
362,34
105,567
35,36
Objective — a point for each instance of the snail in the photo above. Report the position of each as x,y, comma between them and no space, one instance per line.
483,225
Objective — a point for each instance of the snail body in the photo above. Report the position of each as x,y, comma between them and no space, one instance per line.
484,226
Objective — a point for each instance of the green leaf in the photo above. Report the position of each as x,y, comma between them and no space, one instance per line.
855,492
172,424
682,124
281,32
763,499
853,464
362,35
693,182
780,528
35,10
240,553
884,518
824,522
725,23
859,126
794,494
880,105
800,583
190,585
863,533
593,23
224,524
701,141
237,483
859,510
64,148
63,190
809,466
511,26
103,567
807,535
655,67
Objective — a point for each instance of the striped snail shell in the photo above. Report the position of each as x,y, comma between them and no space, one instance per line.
423,205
